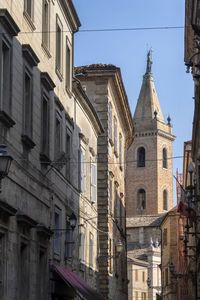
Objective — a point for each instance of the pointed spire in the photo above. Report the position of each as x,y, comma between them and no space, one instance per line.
148,106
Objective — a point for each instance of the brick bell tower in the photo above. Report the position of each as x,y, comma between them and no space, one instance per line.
149,177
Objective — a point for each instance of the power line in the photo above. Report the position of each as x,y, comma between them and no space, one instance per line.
105,29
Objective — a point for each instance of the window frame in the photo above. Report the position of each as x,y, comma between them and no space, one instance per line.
110,123
93,181
31,14
68,152
45,27
141,157
28,105
59,52
82,247
164,158
82,171
68,241
58,135
57,238
165,199
115,135
68,66
142,192
45,124
91,250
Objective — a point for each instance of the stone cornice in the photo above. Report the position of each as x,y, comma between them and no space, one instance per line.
8,22
166,135
71,14
87,106
30,55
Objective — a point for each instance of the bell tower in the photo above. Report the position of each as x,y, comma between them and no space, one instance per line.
149,171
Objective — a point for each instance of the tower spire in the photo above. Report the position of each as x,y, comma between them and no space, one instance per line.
149,61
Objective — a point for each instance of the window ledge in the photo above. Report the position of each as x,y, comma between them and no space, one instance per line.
27,141
46,50
29,21
6,119
59,74
111,142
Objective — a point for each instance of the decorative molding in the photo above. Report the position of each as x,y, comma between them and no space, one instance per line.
6,209
30,55
44,159
27,141
59,104
29,20
83,138
7,21
47,81
69,120
43,230
92,151
24,219
6,119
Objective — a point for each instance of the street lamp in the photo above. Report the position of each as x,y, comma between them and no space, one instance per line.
119,247
148,282
5,162
72,221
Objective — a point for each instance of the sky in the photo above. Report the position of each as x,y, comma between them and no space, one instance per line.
127,49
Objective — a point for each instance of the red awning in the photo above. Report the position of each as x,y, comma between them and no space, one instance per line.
77,283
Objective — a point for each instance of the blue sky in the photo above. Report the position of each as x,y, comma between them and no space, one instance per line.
128,49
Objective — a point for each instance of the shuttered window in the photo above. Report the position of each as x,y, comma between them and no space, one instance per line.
93,182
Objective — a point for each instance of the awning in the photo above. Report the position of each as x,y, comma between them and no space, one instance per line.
77,283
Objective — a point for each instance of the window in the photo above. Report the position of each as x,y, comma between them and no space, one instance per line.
93,182
82,172
24,271
165,200
82,247
115,135
30,60
141,157
136,275
110,121
91,249
143,276
116,201
45,24
45,125
136,295
68,153
5,77
164,240
111,195
42,273
2,258
58,47
144,296
28,7
28,82
69,242
164,158
57,223
58,135
166,276
120,150
111,256
68,66
141,199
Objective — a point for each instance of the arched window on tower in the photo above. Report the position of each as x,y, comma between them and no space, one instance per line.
141,199
164,158
165,200
141,157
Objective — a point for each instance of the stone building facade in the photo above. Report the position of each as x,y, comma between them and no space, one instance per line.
50,128
149,180
103,84
191,59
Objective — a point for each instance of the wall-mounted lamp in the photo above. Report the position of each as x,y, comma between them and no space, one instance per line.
5,162
148,282
119,247
73,221
172,271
